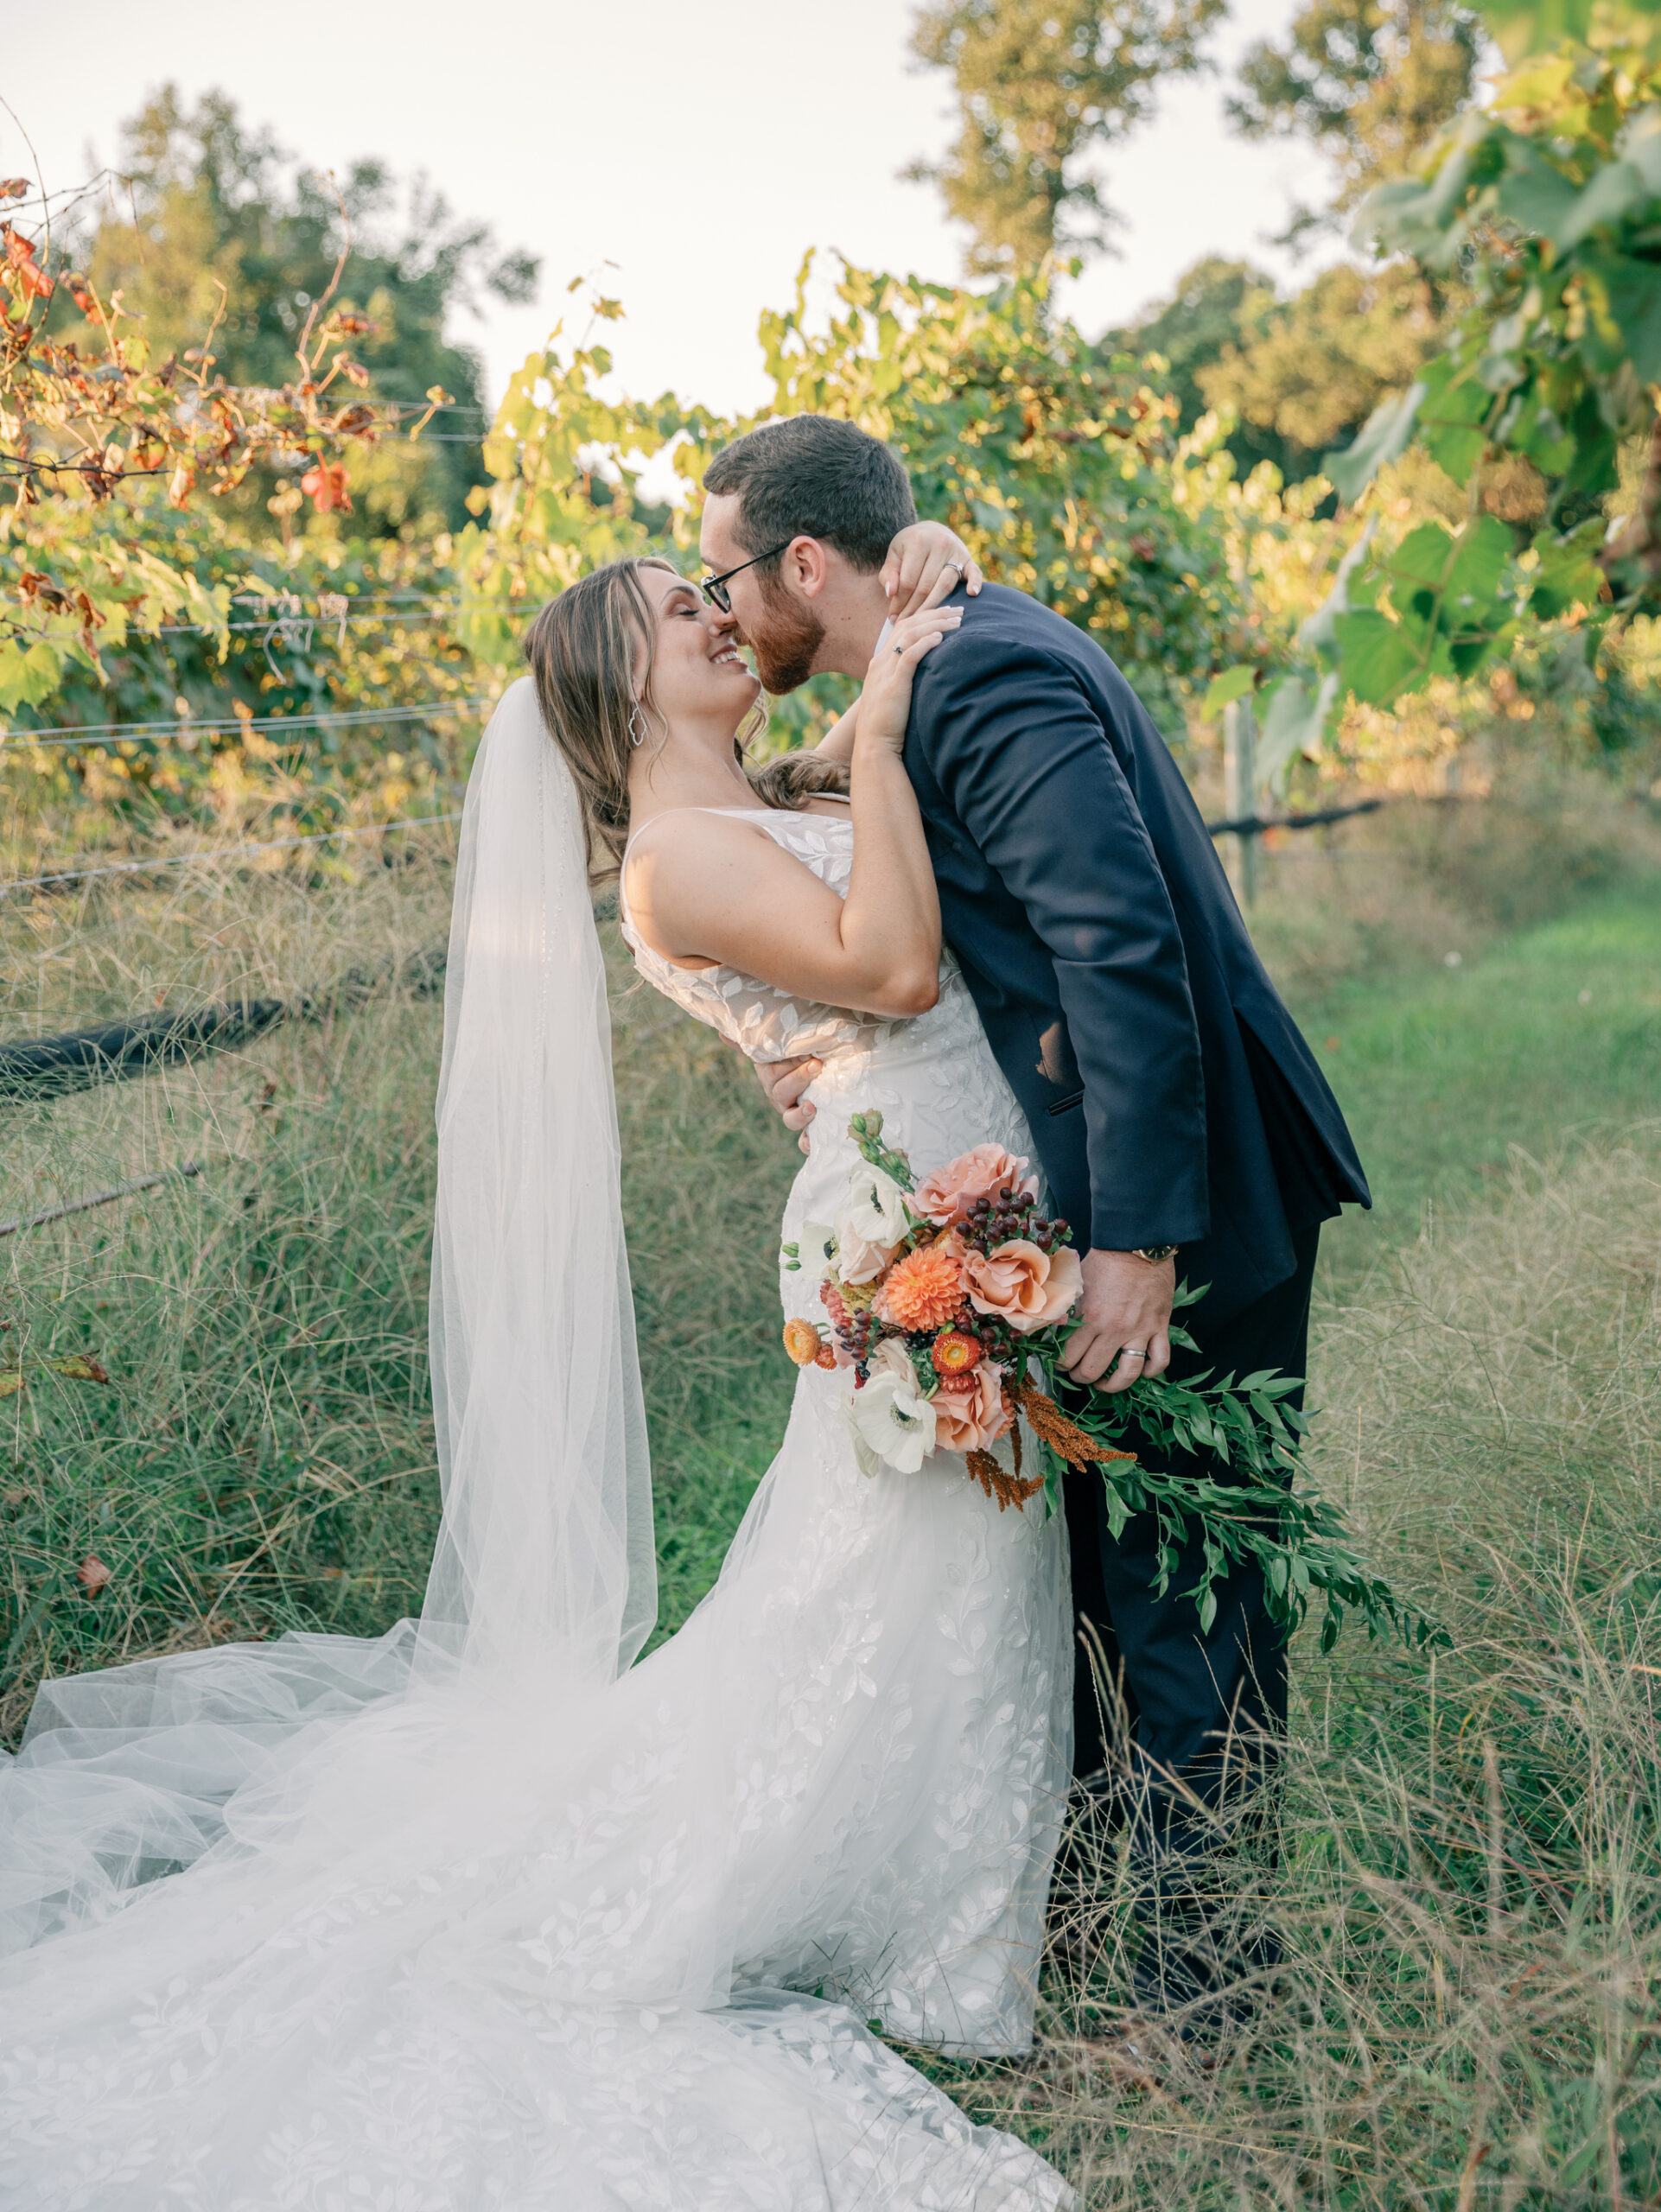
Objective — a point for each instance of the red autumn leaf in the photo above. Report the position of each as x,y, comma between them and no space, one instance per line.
92,1575
179,485
324,482
20,252
14,187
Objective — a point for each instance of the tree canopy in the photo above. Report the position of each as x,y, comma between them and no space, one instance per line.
216,230
1040,85
1368,81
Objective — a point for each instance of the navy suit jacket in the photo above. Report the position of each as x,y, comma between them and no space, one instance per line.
1166,1083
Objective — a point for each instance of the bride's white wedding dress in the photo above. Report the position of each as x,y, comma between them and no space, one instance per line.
471,1919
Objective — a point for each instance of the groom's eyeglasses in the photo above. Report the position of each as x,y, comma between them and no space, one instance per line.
714,588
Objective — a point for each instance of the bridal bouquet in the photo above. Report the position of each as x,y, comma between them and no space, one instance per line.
952,1299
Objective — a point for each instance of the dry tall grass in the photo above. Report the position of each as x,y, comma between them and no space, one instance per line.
263,1456
1469,1893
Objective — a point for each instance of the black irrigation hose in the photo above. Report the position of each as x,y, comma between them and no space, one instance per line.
51,1067
1253,825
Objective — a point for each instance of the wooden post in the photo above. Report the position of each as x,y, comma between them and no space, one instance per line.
1240,774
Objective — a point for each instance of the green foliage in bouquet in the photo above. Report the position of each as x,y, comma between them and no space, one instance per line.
1261,1513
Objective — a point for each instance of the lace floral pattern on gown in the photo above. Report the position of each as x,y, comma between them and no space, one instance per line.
614,1957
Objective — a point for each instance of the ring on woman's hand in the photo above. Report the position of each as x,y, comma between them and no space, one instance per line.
1129,1351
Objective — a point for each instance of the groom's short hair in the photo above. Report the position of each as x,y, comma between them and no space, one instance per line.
815,476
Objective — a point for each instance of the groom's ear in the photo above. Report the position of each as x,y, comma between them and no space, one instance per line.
806,566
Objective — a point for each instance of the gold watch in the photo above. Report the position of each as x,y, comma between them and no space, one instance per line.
1156,1255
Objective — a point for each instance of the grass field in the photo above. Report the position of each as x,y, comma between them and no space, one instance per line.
1471,1892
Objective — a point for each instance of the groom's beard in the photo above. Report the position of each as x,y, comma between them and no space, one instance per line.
785,649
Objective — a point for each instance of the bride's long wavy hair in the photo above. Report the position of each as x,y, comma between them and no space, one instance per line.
583,650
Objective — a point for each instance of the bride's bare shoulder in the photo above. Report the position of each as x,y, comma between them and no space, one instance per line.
674,860
665,843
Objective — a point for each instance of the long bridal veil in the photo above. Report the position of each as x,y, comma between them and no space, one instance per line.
543,1580
545,1566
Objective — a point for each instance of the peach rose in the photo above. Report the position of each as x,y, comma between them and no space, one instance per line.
945,1195
970,1421
1025,1287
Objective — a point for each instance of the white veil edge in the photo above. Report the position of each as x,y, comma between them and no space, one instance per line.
545,1563
544,1584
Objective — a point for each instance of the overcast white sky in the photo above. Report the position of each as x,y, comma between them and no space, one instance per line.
699,151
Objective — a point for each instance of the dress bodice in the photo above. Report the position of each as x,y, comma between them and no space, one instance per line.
931,1075
763,1022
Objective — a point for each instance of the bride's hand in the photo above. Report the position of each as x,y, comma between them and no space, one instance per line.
926,564
885,701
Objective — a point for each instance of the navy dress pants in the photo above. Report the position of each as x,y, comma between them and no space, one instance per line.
1181,1705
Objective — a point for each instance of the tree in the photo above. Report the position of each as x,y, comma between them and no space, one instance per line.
1367,81
1040,85
1296,376
1308,372
1216,309
213,233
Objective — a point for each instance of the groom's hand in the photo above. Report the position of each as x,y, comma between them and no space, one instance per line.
1127,1311
783,1082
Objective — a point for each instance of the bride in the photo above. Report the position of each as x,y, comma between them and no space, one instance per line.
490,1913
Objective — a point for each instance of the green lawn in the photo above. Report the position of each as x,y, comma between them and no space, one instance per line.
1552,1035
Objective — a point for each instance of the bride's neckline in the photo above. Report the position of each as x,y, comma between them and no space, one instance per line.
800,813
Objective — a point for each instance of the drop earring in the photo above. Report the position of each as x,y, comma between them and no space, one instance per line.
636,725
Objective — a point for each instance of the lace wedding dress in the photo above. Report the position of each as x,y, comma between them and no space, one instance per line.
481,1916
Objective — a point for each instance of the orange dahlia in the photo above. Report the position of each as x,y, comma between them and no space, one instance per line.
923,1290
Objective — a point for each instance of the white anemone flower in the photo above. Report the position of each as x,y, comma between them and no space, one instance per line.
876,1206
820,1247
891,1422
871,1224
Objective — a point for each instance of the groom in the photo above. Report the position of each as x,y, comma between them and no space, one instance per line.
1180,1120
